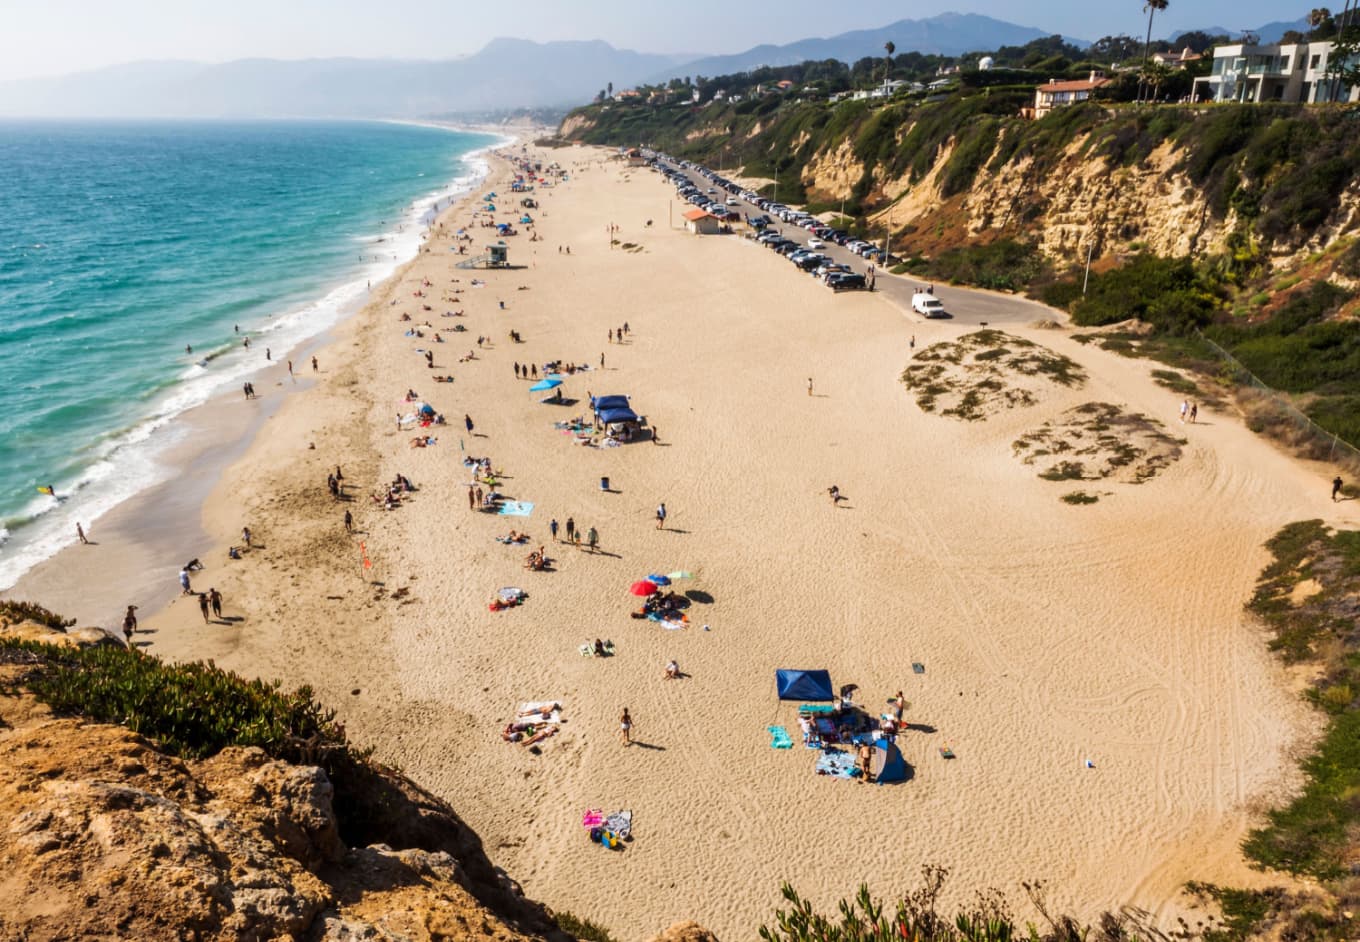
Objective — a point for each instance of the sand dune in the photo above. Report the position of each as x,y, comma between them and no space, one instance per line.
1051,634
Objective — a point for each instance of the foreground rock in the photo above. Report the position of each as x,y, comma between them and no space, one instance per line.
103,836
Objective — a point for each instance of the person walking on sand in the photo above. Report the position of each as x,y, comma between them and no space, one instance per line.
626,728
899,707
349,522
516,371
80,532
1336,487
571,529
626,328
912,343
1194,412
1185,408
552,526
656,439
472,499
661,516
315,367
245,536
592,539
835,493
215,598
290,367
809,385
467,420
611,335
184,582
601,361
203,607
130,623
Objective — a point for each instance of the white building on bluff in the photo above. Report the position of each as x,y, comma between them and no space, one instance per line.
1290,72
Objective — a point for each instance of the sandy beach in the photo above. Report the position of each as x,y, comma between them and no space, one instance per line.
1117,721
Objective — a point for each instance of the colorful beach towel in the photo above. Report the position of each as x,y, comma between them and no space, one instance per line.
816,708
592,818
621,823
515,508
779,737
837,764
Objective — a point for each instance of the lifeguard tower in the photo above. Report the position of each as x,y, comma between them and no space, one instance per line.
497,255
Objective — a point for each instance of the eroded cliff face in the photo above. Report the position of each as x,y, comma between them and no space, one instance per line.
1064,207
105,837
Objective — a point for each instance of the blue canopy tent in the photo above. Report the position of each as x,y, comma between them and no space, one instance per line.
889,766
615,416
812,686
610,402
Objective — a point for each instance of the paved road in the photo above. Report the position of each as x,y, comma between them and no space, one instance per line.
964,306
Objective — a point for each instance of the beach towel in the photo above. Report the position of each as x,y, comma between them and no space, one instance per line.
779,737
515,508
621,823
588,649
592,818
837,764
816,708
670,624
534,710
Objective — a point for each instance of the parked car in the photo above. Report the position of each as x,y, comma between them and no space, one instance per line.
816,244
844,281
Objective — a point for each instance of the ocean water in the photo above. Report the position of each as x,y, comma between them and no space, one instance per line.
121,244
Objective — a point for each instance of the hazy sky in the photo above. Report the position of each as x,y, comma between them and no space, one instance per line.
52,37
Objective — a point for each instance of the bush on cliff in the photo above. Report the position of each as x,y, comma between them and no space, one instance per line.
1170,293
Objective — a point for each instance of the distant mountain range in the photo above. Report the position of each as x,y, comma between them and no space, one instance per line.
948,34
506,74
1269,33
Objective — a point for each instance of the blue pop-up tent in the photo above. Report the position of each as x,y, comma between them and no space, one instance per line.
889,766
615,416
610,402
803,685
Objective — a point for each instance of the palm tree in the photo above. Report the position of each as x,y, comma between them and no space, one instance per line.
1150,8
889,47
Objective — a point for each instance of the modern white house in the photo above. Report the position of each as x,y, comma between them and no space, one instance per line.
1290,72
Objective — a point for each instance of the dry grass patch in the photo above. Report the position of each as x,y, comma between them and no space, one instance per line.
984,373
1097,441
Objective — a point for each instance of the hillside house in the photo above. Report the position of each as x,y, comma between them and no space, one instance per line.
1290,72
1176,60
1061,94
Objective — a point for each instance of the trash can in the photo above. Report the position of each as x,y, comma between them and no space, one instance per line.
604,484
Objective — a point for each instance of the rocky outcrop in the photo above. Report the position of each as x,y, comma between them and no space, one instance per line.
104,836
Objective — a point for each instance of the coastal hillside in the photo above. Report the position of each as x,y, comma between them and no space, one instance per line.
1175,181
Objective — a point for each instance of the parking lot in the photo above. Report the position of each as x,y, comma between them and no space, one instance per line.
833,255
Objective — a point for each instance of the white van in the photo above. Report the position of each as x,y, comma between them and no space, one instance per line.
927,305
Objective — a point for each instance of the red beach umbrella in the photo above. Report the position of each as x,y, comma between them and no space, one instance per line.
643,588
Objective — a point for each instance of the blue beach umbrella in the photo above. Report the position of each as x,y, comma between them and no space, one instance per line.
543,385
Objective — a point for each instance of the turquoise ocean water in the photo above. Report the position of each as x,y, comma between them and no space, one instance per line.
121,243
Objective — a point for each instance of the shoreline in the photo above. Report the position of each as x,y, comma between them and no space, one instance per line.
180,440
1052,635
